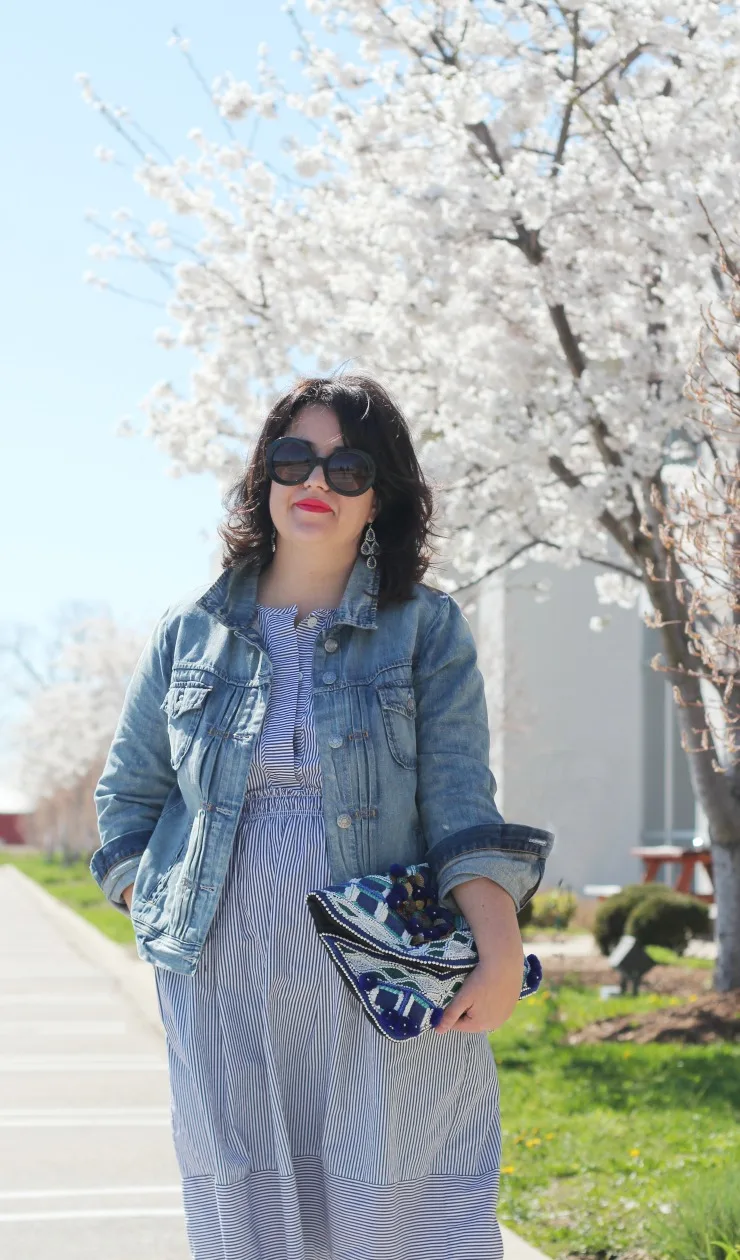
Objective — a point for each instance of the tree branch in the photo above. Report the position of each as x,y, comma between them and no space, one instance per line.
611,524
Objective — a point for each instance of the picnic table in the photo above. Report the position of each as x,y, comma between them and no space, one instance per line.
655,855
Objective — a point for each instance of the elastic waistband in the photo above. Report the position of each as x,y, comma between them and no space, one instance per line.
262,801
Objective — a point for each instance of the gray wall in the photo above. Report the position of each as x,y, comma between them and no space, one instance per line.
571,720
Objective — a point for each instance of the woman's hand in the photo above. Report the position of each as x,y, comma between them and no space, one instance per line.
485,999
126,896
490,993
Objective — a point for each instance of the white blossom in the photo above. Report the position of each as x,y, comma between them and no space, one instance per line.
617,588
514,246
69,723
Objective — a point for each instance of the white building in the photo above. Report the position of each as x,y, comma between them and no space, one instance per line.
584,737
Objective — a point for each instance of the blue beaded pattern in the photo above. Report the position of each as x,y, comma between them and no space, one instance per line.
402,954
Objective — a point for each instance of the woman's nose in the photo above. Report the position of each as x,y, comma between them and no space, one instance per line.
316,477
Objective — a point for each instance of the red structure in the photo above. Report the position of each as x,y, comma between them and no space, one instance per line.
14,810
653,857
11,829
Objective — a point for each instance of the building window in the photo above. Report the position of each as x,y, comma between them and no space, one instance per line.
668,812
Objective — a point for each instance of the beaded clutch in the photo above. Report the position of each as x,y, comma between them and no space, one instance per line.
399,951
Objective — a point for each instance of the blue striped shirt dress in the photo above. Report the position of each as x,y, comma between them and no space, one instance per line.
300,1132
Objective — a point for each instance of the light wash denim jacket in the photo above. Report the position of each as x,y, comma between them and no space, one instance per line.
402,729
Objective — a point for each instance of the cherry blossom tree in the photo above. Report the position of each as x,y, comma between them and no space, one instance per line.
72,706
500,208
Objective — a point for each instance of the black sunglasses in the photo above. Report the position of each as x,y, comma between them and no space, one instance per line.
291,460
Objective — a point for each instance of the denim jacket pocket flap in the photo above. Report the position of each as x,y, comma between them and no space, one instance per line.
184,699
398,706
183,705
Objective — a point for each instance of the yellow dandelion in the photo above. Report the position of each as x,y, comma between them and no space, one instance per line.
692,997
627,1054
507,1168
533,1142
549,1137
635,1152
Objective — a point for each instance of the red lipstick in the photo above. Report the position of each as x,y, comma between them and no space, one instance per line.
312,505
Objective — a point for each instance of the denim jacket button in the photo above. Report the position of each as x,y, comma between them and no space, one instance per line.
329,677
330,645
344,821
336,741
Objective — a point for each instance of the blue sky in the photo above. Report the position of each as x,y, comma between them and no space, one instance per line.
88,518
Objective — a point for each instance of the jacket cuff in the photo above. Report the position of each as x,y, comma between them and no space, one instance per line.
519,877
508,838
118,878
110,854
511,854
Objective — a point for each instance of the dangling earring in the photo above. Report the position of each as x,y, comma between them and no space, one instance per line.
370,547
273,538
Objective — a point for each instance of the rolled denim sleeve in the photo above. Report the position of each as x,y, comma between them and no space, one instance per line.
118,878
520,876
138,775
465,834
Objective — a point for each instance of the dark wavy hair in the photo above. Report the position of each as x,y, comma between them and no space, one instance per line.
369,419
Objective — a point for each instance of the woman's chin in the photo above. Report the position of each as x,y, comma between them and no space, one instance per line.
299,518
301,531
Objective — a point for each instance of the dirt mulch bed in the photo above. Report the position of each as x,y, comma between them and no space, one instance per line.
712,1017
678,981
610,1255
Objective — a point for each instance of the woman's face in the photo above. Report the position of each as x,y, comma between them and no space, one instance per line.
342,526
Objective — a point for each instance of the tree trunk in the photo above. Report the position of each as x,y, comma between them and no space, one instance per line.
720,800
717,793
726,866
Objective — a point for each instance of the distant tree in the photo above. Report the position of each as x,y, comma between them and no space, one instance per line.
71,710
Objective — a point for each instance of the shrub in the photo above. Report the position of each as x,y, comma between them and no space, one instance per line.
554,909
525,914
669,920
706,1223
612,914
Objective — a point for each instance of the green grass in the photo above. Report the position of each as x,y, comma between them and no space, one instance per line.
73,884
707,1225
668,956
600,1139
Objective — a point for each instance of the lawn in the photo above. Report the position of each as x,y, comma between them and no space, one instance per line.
599,1139
73,884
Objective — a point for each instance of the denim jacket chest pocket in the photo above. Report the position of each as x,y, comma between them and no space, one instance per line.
183,705
398,707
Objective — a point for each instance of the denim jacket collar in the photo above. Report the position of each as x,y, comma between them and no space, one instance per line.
232,598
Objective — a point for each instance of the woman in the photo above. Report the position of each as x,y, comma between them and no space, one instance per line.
317,714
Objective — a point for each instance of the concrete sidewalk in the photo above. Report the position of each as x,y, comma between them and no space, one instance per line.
87,1167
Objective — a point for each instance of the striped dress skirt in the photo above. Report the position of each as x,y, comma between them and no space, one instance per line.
300,1132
